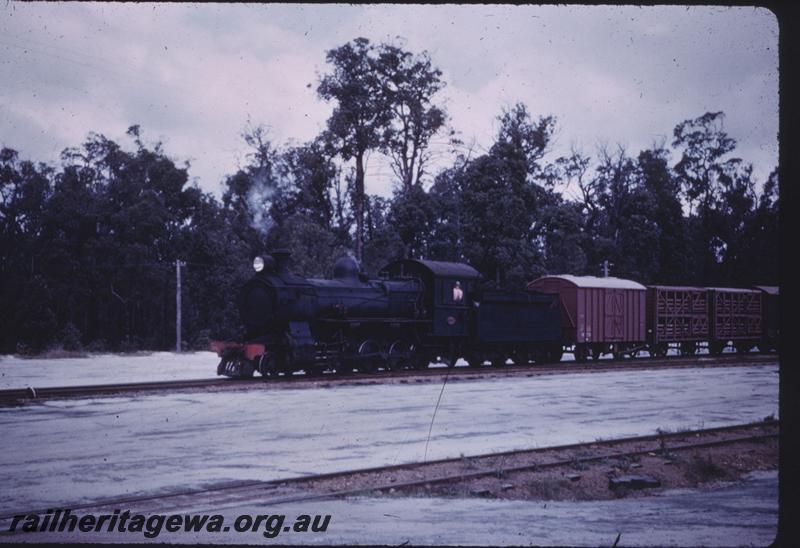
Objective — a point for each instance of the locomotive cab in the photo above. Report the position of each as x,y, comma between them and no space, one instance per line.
449,288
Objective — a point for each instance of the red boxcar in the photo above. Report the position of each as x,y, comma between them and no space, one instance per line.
598,315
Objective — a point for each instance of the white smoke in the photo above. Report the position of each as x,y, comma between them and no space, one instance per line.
259,200
355,260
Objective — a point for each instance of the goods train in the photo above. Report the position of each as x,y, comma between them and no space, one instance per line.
420,311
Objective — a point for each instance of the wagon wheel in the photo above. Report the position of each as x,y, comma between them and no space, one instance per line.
717,347
581,353
688,348
658,350
597,351
743,347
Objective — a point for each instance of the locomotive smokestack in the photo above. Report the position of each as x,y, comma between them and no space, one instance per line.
281,257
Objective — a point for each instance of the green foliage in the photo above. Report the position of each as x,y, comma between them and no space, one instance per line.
412,215
313,248
562,239
92,256
408,85
383,101
500,200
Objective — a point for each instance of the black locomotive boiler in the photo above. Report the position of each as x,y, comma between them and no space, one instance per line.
414,313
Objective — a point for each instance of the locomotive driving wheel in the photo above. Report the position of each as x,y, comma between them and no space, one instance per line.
397,354
416,358
369,356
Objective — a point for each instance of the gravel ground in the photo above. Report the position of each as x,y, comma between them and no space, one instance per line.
672,467
83,450
728,514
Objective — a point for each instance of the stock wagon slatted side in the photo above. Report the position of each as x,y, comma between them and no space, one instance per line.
677,314
735,314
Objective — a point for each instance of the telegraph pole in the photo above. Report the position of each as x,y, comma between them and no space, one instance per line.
605,268
178,265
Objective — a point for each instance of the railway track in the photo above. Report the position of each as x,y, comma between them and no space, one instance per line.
21,395
306,488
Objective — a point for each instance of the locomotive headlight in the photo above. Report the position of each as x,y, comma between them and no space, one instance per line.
258,264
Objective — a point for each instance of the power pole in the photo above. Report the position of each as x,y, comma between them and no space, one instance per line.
178,265
606,264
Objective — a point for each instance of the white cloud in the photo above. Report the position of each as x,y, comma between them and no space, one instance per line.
194,74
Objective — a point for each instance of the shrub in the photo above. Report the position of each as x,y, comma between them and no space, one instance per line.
130,344
97,346
69,339
202,340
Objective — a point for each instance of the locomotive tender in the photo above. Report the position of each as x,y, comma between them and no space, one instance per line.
419,311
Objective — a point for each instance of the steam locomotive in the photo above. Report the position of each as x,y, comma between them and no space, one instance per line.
420,311
414,313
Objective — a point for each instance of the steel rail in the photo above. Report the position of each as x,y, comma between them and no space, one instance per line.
502,471
17,395
271,484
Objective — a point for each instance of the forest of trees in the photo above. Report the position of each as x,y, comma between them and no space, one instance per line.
88,247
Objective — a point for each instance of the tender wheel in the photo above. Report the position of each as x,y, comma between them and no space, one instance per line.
520,357
553,353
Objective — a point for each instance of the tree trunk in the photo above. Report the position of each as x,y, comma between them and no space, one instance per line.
359,206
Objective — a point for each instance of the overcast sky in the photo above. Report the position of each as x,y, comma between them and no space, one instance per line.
192,75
